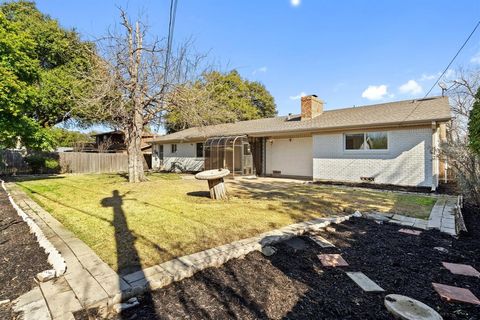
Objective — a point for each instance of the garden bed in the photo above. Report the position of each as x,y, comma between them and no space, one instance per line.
293,284
21,256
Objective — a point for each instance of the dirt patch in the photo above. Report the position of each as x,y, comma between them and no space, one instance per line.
21,256
292,284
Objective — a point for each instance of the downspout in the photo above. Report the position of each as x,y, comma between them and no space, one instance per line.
434,156
264,157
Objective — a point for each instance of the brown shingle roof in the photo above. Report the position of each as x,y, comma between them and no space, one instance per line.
397,113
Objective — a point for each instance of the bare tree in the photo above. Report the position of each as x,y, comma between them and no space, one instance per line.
135,83
462,90
104,145
461,159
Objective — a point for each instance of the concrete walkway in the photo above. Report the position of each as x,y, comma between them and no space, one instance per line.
442,216
89,282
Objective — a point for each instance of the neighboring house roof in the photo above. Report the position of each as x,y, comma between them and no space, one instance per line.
399,113
144,135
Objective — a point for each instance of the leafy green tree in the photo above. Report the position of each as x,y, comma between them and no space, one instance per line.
231,98
474,125
67,138
43,74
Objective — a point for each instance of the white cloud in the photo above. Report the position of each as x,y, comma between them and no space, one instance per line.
301,94
295,3
375,92
260,70
411,87
450,75
476,58
427,77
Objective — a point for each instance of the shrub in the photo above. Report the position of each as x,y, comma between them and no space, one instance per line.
51,164
42,164
474,125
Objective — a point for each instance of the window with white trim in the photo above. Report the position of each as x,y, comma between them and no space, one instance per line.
173,148
366,141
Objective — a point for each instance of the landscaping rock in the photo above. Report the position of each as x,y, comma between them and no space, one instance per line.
268,251
119,307
330,229
377,216
403,307
6,301
441,249
46,275
357,214
410,231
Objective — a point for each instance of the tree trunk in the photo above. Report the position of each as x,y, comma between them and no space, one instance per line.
135,156
217,189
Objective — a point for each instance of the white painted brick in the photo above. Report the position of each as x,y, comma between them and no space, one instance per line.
407,162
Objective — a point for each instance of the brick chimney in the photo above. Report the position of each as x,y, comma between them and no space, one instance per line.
311,107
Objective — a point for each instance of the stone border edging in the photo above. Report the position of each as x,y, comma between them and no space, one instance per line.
162,275
398,219
55,259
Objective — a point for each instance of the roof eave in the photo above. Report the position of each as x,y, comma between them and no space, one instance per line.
400,124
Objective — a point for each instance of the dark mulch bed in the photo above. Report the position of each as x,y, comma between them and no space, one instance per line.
20,255
293,284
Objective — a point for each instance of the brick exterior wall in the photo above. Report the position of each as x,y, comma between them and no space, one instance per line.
408,161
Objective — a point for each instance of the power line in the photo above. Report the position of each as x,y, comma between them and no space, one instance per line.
417,102
453,59
171,27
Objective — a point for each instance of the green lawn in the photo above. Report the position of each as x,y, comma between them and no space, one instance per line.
169,216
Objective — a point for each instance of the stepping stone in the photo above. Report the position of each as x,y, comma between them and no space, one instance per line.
410,231
321,241
296,243
403,307
462,269
332,260
364,282
451,293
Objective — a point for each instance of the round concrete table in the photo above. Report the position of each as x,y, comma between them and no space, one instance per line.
215,182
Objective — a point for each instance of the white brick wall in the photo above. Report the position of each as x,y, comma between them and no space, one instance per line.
408,161
292,157
184,159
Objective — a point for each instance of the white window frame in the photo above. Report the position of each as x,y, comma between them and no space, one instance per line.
173,148
364,150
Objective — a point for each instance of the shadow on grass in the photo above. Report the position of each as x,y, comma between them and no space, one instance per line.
31,177
128,259
199,194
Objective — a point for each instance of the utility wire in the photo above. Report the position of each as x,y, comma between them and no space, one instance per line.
171,27
453,59
444,71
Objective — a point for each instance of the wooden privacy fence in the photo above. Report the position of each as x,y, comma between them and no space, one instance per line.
12,162
82,162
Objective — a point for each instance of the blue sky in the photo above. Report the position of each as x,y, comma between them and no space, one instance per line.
347,52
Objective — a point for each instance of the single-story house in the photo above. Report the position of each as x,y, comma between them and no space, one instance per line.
390,143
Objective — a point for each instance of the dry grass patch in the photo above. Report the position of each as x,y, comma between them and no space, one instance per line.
168,216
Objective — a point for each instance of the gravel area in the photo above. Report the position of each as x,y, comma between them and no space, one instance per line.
21,256
292,284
